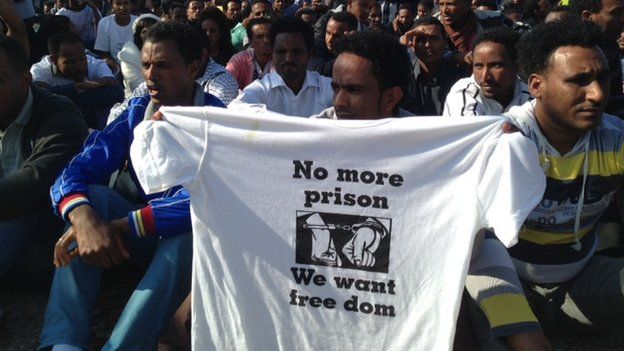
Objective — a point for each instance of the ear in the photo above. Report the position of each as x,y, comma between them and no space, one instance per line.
390,98
536,85
193,68
586,15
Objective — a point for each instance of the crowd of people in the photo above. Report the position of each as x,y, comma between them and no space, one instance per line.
76,78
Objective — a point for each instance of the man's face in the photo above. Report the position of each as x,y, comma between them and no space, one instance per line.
452,12
71,61
13,89
609,18
423,11
169,79
494,72
290,57
334,31
260,39
211,28
356,90
278,5
233,11
572,93
121,8
260,9
406,18
360,9
193,10
428,43
178,15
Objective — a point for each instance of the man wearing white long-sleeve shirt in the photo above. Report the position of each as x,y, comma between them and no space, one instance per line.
291,89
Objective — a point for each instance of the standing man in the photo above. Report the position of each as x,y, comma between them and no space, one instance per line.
292,89
110,227
494,86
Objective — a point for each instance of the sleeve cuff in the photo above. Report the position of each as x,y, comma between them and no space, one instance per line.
142,222
70,202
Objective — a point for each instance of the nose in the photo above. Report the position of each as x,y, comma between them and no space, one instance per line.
340,99
597,93
149,73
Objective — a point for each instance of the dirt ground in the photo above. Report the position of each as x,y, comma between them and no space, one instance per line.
24,309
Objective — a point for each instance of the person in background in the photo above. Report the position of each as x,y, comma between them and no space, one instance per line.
233,13
255,62
85,17
114,31
404,20
432,76
130,54
292,89
214,23
259,8
193,10
424,8
88,82
494,86
323,57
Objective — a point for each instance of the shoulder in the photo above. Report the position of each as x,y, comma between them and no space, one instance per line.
50,108
465,85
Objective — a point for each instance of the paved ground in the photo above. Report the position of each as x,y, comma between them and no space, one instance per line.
20,327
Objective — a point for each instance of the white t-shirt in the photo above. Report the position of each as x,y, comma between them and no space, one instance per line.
44,71
332,234
112,37
83,21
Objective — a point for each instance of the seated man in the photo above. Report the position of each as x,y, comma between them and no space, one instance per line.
494,86
432,76
339,24
369,78
109,228
292,89
255,62
259,8
568,286
39,133
85,80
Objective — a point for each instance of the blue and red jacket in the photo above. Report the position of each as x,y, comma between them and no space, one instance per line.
166,214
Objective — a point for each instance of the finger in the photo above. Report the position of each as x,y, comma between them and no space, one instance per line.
157,116
61,256
509,128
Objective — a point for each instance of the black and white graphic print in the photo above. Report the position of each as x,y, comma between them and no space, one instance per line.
340,240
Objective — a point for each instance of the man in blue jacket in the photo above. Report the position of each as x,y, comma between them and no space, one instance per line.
108,228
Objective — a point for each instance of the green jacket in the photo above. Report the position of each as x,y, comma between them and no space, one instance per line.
53,135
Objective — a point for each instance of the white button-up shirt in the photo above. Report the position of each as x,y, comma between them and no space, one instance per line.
272,93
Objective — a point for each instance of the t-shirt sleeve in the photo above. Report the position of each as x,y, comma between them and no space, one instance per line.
102,39
100,70
512,184
169,152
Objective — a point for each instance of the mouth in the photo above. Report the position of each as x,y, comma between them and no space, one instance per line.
153,90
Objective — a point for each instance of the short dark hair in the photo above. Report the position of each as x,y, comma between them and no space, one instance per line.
429,21
427,3
345,17
254,22
578,6
292,25
391,64
406,7
505,36
537,46
15,53
65,37
182,34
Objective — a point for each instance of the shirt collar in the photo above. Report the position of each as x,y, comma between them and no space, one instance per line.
309,81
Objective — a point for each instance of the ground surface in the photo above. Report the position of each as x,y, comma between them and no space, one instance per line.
21,325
